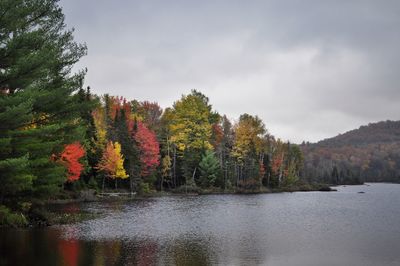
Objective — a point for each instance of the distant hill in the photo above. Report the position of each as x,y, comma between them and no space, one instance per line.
381,132
370,153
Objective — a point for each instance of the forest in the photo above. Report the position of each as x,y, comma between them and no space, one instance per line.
368,154
57,135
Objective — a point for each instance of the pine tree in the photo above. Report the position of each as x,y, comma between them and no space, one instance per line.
38,111
89,102
125,131
209,169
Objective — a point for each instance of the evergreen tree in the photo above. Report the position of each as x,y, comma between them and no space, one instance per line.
129,148
38,112
89,103
209,169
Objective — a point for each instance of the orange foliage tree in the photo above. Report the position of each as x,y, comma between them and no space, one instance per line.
70,158
112,162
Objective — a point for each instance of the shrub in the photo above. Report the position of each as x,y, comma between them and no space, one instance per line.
7,218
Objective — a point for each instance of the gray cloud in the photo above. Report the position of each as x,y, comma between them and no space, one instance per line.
309,69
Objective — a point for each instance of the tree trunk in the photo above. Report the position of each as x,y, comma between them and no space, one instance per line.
174,167
194,172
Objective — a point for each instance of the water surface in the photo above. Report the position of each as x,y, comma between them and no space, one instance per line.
312,228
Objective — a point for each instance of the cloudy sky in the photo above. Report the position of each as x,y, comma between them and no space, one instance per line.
309,69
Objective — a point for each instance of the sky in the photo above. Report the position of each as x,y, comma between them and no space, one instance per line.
310,69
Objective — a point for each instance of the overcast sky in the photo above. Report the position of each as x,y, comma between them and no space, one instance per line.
309,69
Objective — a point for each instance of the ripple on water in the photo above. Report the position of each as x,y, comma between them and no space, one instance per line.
315,228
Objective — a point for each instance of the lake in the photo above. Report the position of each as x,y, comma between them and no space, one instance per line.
303,228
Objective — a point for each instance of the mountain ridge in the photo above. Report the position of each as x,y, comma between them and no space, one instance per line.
378,128
369,153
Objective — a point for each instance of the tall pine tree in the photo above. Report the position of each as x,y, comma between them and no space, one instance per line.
39,111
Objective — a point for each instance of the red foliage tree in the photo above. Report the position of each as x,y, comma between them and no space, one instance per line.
70,158
149,149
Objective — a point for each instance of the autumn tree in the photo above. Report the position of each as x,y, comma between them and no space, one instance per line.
112,163
99,120
191,129
149,149
222,140
277,164
149,113
248,148
70,157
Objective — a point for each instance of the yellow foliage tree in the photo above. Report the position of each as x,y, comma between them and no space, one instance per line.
99,118
248,136
119,164
112,162
190,128
191,120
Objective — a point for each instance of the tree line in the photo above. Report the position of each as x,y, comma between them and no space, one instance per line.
54,134
368,154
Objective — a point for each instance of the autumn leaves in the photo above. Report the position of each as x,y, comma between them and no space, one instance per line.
112,162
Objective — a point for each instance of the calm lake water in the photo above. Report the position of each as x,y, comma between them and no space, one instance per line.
312,228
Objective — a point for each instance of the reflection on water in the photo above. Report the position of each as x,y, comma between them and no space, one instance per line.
340,228
49,247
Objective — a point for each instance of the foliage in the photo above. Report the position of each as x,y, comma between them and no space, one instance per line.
100,128
166,164
39,111
248,137
15,176
149,113
149,149
119,165
112,161
191,121
370,153
190,129
209,169
8,218
70,158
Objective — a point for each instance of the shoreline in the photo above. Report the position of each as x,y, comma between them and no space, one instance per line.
113,196
44,213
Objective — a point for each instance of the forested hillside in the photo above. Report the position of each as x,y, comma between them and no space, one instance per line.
370,153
